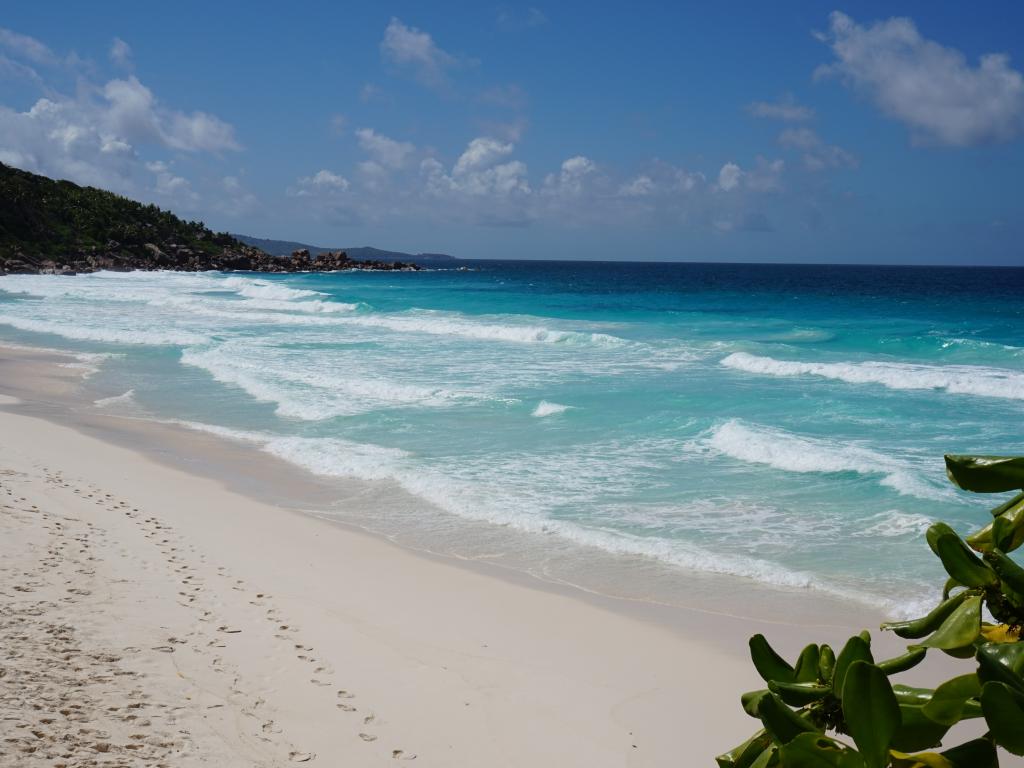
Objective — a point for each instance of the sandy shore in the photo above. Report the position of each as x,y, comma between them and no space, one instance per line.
153,616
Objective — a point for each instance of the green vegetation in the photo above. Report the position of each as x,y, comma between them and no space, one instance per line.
810,704
42,218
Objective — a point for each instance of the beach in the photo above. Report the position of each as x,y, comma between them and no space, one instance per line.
153,616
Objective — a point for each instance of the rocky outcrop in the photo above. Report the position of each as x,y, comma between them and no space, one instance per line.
174,256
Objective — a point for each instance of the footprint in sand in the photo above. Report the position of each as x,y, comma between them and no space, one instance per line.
301,757
367,737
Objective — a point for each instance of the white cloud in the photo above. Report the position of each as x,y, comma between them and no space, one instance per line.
121,53
387,152
133,112
481,153
321,182
104,135
729,177
572,178
408,46
641,186
486,189
27,47
818,155
785,108
931,88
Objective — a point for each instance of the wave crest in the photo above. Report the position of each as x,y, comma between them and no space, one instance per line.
954,379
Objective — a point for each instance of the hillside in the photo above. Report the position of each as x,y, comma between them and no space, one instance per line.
49,226
284,247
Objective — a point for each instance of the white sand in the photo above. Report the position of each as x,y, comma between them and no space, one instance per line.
153,617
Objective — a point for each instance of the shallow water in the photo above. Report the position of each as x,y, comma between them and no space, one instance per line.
779,423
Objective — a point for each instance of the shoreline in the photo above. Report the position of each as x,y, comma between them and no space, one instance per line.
244,468
463,663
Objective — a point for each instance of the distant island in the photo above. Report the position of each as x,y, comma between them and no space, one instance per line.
364,252
58,227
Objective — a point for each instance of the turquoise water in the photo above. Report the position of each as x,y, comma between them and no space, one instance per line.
778,423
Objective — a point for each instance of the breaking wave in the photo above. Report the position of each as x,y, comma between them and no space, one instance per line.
955,379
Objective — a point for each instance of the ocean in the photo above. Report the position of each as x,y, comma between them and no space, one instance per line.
651,423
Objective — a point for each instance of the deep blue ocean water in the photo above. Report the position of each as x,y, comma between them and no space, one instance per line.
784,424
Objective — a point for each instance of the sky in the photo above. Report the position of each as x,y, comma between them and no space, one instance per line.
794,132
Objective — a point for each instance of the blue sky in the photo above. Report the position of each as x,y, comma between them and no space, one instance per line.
799,131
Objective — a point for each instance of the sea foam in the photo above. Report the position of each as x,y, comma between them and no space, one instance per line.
954,379
544,408
76,330
795,453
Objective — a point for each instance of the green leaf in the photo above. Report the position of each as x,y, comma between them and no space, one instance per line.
1007,570
827,663
917,731
856,649
768,757
751,700
781,722
986,474
961,628
909,660
1017,502
769,665
935,530
871,712
806,669
979,753
746,753
920,760
1004,715
809,750
916,696
951,698
800,694
916,628
1003,663
1010,526
962,564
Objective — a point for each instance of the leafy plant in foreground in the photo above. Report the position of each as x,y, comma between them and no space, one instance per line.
809,706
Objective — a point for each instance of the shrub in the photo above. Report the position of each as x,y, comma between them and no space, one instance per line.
810,705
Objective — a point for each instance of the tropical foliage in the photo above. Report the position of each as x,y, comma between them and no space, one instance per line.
43,217
842,710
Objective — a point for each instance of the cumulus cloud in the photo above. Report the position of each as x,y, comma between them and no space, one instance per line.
121,53
785,108
765,176
386,152
572,178
321,182
486,184
480,173
101,135
416,49
729,177
931,88
132,111
642,186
